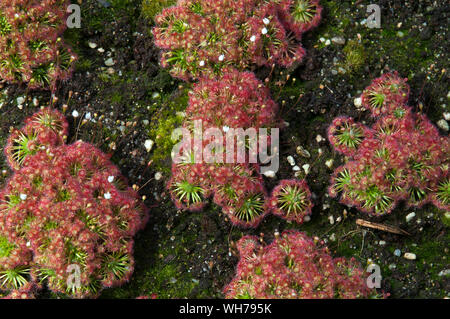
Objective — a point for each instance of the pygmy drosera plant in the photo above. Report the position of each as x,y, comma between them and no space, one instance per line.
31,48
237,100
291,200
202,37
65,206
402,157
294,266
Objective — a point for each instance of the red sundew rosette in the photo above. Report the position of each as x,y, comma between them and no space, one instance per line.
29,13
338,125
194,174
350,279
244,191
271,47
297,217
41,136
394,89
298,28
237,177
237,100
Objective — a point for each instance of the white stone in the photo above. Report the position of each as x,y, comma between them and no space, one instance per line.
110,179
446,116
148,144
221,57
319,138
158,176
20,100
307,218
253,38
443,124
306,168
382,243
109,62
107,195
75,113
266,21
410,216
331,219
329,163
92,45
291,160
264,31
23,196
270,174
410,256
338,40
295,168
357,102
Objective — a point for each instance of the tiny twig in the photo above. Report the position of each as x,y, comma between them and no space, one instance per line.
390,229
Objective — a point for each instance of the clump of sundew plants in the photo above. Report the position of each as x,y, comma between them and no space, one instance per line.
32,50
67,209
402,157
237,100
201,37
294,266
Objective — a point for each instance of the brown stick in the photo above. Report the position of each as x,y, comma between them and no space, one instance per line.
390,229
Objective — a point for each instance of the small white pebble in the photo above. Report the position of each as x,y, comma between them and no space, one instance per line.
20,100
306,168
225,129
253,38
295,168
307,218
266,21
357,102
331,219
23,196
221,57
264,31
109,62
202,63
410,256
270,174
110,179
410,216
158,176
329,163
382,243
290,160
75,113
319,138
107,195
443,124
148,145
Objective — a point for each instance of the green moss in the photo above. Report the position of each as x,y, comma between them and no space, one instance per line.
168,117
355,56
150,8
